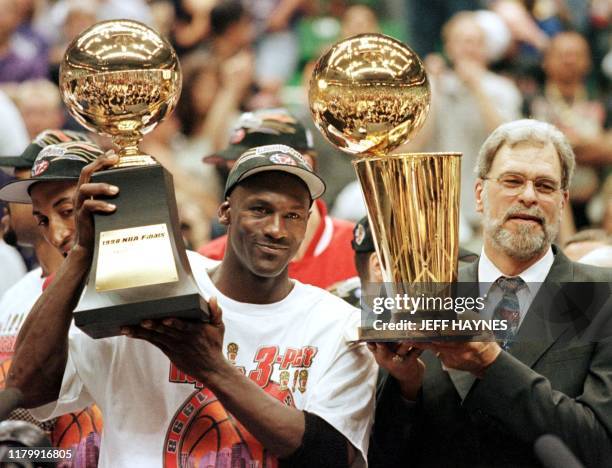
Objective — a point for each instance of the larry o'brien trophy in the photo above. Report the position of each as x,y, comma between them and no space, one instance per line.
368,95
120,78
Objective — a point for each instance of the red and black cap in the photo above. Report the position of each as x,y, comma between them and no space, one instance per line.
59,162
363,241
45,138
274,158
264,127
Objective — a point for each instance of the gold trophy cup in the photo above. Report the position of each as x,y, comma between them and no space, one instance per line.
120,78
368,95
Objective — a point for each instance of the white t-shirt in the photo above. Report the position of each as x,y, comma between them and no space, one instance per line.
154,415
13,268
15,307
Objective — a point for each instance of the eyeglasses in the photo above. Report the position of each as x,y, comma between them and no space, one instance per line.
514,184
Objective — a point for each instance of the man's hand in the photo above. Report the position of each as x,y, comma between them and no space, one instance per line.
85,202
472,356
196,348
403,364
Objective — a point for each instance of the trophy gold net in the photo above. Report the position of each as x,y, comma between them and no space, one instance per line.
368,95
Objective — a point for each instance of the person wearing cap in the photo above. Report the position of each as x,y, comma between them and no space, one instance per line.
366,263
48,193
21,228
21,225
159,401
325,256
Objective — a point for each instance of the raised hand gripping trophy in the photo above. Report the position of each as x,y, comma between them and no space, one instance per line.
120,78
368,95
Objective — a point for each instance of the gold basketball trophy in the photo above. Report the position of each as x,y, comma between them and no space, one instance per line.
368,95
120,78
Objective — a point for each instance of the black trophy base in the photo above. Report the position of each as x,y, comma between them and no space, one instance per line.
108,320
139,269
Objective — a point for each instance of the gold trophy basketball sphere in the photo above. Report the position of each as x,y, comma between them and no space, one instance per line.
368,95
121,78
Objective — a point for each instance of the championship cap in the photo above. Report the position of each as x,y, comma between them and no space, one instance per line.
45,138
363,241
264,127
62,161
274,158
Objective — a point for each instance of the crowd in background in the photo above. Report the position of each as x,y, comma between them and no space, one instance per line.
488,62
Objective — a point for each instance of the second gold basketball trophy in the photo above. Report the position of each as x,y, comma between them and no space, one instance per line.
368,95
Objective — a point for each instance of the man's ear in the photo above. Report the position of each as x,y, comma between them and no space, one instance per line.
565,199
478,188
374,268
223,212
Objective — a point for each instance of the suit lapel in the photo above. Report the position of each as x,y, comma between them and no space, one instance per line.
549,314
545,321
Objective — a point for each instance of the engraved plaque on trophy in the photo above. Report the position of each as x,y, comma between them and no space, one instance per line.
121,78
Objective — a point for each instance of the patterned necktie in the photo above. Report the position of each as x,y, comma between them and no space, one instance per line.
508,308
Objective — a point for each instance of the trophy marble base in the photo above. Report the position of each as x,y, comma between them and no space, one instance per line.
139,269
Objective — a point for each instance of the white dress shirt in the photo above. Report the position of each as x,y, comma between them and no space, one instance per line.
533,277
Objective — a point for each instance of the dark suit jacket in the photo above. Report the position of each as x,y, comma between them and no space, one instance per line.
557,379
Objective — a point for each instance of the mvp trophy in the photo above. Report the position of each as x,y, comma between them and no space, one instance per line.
120,78
368,95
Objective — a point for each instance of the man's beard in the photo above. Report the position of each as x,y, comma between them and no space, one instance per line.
528,240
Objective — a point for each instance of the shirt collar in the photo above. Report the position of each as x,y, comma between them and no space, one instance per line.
532,276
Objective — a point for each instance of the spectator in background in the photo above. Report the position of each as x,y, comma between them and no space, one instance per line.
17,63
164,17
566,103
358,19
74,18
196,196
425,20
584,242
13,133
334,165
40,104
277,46
192,24
213,90
212,93
232,29
366,263
468,101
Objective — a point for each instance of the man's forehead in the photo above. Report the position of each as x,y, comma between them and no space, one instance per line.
271,183
50,192
568,41
528,156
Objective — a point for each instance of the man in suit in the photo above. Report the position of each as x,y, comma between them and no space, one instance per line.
485,403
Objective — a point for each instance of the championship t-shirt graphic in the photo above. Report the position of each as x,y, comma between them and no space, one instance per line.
203,434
